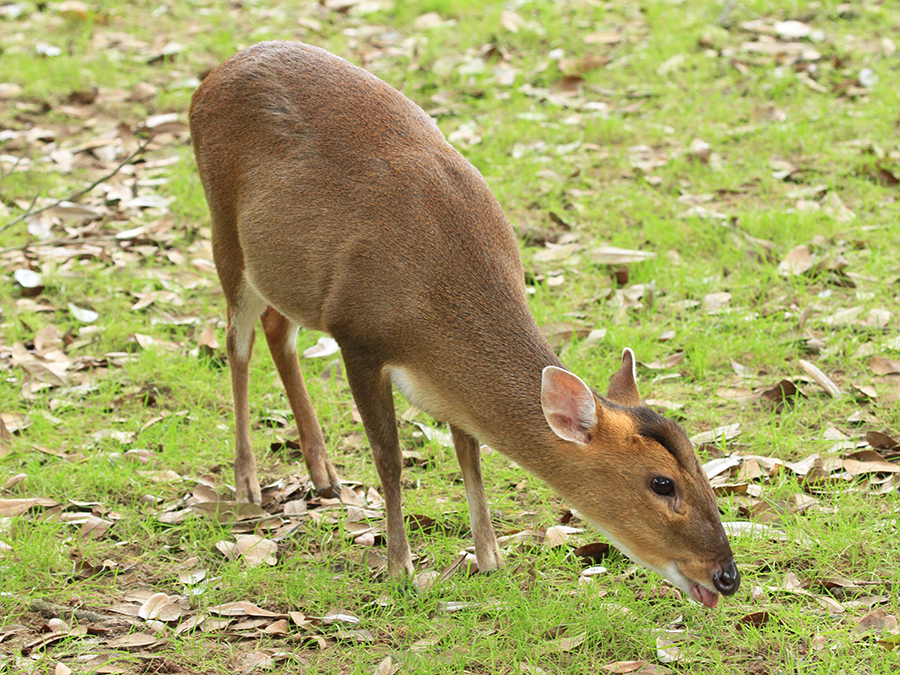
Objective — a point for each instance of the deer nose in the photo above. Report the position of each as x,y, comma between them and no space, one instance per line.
727,579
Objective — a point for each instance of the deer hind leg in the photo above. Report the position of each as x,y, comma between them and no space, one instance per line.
244,307
468,454
371,389
281,334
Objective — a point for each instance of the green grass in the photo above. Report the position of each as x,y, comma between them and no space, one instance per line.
539,158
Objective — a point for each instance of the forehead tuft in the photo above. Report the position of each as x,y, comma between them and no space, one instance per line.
665,432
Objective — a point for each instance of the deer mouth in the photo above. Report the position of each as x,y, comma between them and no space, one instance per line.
704,596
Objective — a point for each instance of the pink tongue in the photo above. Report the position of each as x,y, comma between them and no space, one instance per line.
706,597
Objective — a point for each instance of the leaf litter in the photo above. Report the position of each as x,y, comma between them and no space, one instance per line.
89,227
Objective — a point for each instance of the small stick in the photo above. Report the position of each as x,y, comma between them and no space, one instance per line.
79,192
52,611
724,15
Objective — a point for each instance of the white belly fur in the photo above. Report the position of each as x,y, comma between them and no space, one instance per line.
420,393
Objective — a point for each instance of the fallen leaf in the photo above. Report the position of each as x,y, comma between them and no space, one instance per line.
340,616
83,315
633,667
612,255
387,666
743,528
326,346
881,365
717,434
243,608
159,607
821,379
133,641
799,260
255,550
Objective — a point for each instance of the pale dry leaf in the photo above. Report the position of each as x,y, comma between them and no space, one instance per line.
633,668
62,669
834,207
340,616
207,338
799,260
325,346
83,315
670,361
756,530
555,537
436,435
133,641
821,379
15,507
881,365
427,21
565,644
511,21
667,649
243,608
714,467
714,302
387,666
843,317
28,279
160,607
255,550
15,422
726,432
256,660
612,255
792,29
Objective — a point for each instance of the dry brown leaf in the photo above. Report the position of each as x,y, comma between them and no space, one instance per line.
255,550
880,440
667,650
726,432
387,666
612,255
855,467
5,438
555,537
340,616
15,507
670,361
799,260
15,422
133,641
755,619
561,332
511,21
633,667
564,644
160,607
713,302
243,608
757,530
878,622
881,365
821,379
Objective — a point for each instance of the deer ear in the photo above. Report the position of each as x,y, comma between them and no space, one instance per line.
569,405
622,385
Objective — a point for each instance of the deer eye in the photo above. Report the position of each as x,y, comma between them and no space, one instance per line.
663,486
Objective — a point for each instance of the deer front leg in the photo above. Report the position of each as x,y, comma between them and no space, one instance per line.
468,453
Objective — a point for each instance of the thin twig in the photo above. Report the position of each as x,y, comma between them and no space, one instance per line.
52,611
724,19
64,241
79,192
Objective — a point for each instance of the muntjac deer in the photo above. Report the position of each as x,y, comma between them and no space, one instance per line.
337,205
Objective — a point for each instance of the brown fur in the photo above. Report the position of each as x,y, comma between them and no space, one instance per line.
337,205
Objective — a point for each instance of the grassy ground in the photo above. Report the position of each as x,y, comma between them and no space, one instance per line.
711,134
